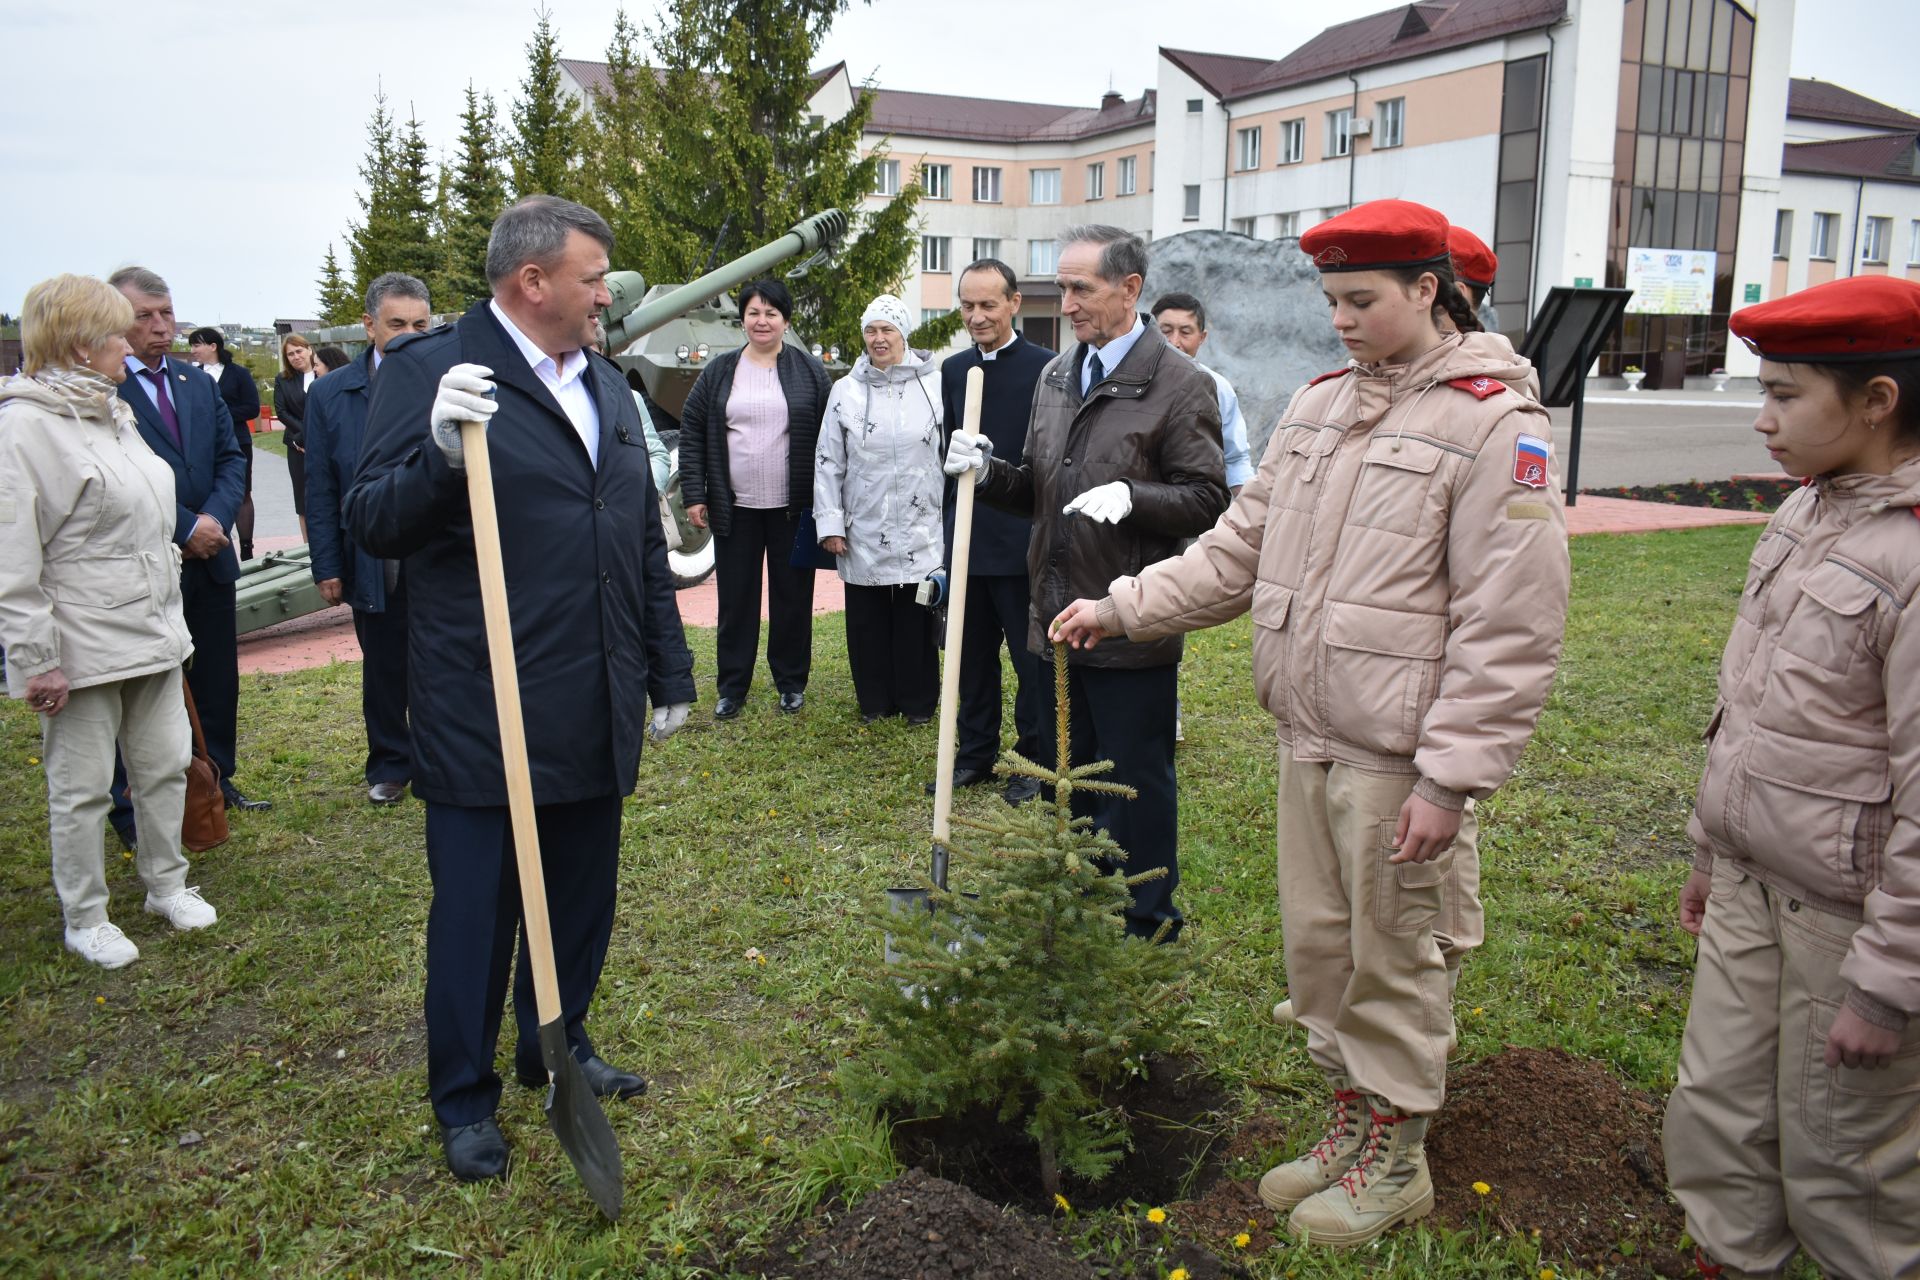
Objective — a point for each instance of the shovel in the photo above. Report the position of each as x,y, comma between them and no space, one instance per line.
901,900
572,1110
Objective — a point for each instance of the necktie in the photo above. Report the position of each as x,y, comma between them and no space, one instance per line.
158,380
1099,370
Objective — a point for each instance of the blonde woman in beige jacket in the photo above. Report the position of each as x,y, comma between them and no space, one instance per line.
1795,1123
1403,553
90,607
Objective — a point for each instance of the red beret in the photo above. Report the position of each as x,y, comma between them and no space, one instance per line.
1473,262
1859,318
1378,234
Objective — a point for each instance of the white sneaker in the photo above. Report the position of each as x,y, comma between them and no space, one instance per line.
184,910
103,945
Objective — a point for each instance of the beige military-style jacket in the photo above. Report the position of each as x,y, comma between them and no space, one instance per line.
1403,552
1812,782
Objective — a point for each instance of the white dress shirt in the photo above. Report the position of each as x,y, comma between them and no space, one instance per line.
564,380
1111,355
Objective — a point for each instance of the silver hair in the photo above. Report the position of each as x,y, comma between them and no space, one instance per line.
396,284
141,281
1122,253
535,230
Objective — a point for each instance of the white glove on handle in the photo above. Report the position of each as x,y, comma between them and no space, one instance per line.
465,395
1107,503
667,720
968,453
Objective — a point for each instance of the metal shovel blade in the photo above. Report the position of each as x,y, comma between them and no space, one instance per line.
579,1123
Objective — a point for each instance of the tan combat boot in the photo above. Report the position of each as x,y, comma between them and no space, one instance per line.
1285,1186
1387,1185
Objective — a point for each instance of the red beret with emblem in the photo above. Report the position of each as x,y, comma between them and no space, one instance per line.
1378,235
1859,318
1473,262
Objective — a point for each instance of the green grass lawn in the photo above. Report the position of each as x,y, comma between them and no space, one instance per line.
251,1099
271,441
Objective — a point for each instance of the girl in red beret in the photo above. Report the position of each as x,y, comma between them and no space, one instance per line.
1404,556
1796,1120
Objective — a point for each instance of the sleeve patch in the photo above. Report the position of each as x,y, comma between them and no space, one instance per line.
1331,373
1479,388
1529,511
1530,454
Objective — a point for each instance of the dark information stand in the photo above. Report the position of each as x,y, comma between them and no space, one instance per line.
1562,343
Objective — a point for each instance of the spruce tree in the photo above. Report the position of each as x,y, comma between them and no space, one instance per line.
477,193
546,122
612,169
337,302
395,231
1025,995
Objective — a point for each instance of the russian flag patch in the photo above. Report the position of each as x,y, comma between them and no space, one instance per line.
1530,454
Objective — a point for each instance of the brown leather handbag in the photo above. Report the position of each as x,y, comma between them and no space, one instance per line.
204,824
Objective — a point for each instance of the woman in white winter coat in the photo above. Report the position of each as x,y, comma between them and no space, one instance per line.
877,488
90,607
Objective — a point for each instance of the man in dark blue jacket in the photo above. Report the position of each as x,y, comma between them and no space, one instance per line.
997,595
596,634
183,420
336,427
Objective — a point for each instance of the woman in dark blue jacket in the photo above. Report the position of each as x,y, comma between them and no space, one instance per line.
208,349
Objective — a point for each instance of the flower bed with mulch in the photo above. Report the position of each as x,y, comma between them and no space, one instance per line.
1741,493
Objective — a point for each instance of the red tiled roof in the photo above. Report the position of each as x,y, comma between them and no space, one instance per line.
1375,40
1823,100
1884,156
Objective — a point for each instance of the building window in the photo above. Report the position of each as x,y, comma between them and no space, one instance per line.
1190,206
1783,233
1390,123
1097,181
937,181
1293,141
986,185
1517,192
1913,244
1339,133
984,249
929,314
886,178
1244,226
1195,106
1334,211
936,253
1877,241
1247,148
1126,181
1287,224
1043,257
1826,227
1046,187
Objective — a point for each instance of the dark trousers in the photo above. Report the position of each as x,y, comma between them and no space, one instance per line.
1127,717
891,651
761,537
997,607
383,688
470,939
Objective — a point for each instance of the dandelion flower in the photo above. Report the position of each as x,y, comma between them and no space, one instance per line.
753,954
99,999
1481,1188
1178,1273
1242,1240
1547,1273
1477,1011
1061,1201
1156,1217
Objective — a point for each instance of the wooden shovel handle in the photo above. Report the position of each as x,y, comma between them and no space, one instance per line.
956,614
506,702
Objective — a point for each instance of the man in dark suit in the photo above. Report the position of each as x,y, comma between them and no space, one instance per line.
183,420
336,427
997,593
596,635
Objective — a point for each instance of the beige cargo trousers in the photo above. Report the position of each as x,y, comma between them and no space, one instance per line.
1367,941
1768,1150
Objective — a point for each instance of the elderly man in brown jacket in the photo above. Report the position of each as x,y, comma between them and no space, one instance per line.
1123,460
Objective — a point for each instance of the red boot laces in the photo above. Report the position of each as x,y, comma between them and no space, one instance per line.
1708,1267
1343,1100
1356,1177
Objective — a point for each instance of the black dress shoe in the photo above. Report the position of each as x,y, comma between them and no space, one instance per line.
1022,789
387,792
792,702
966,778
606,1080
726,708
475,1152
235,800
922,719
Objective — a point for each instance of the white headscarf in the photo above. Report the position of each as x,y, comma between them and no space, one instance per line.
887,309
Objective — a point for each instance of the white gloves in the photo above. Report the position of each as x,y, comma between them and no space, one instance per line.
1106,504
968,453
667,720
465,395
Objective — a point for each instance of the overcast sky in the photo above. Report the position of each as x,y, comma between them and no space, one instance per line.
218,144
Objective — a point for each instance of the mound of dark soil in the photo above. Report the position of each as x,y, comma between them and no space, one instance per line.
1566,1149
919,1227
1177,1116
1741,493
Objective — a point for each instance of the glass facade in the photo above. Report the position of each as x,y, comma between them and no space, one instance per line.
1679,143
1517,198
